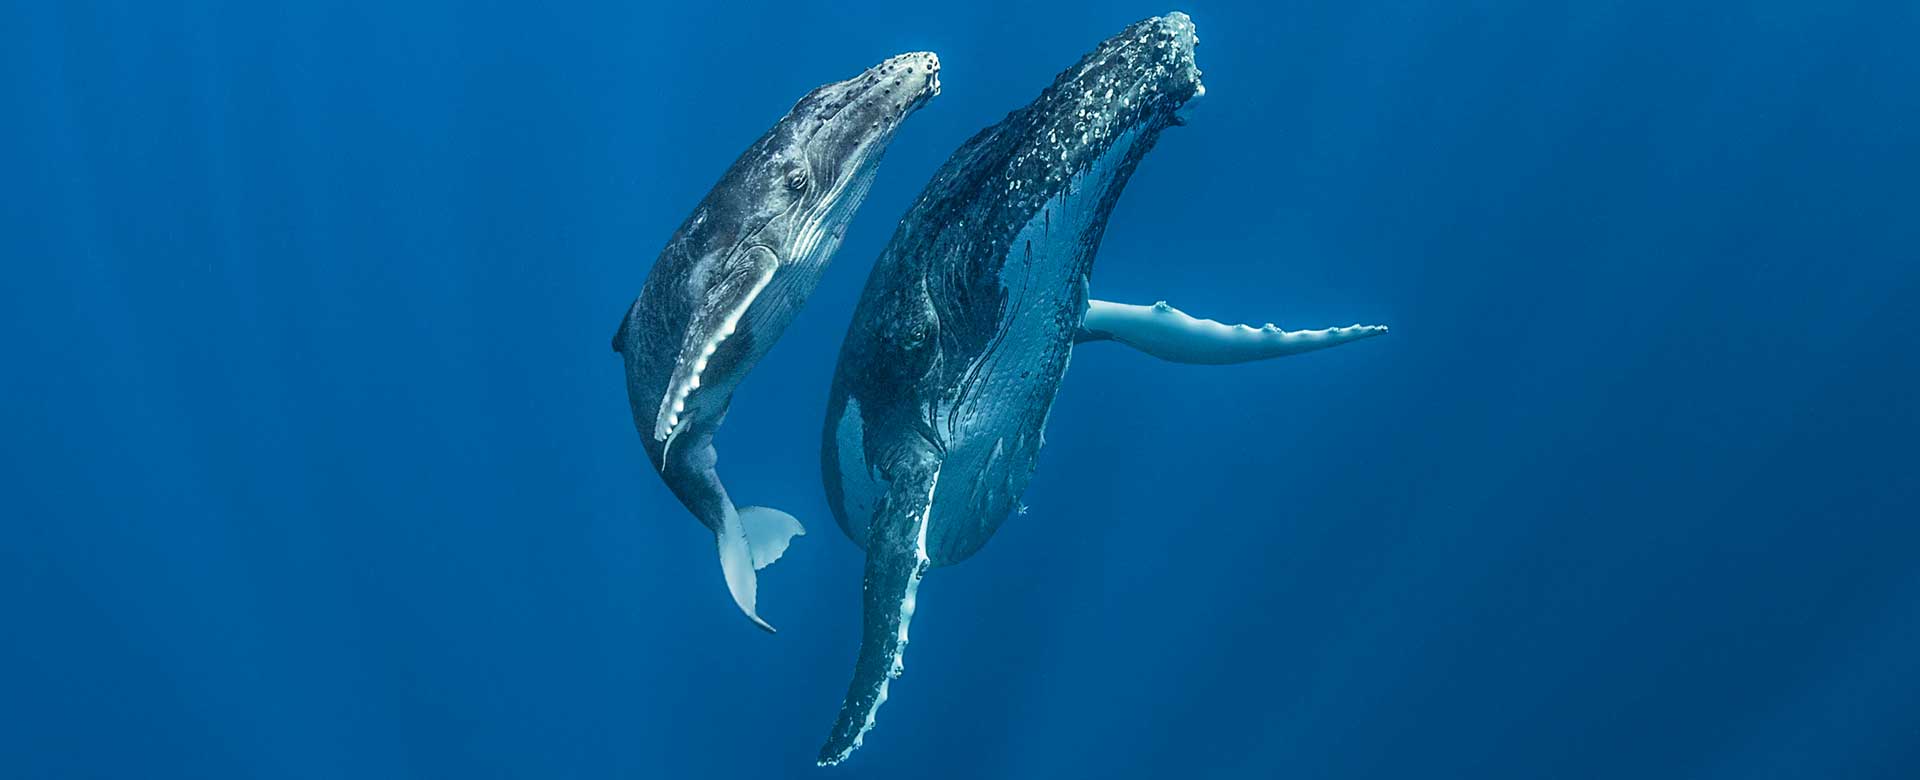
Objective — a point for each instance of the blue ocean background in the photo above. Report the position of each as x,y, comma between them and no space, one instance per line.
316,463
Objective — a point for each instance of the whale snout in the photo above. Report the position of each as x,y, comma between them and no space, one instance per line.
1177,23
910,79
880,96
1147,70
923,66
1178,38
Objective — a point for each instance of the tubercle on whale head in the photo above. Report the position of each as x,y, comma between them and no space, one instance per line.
1129,88
850,118
900,83
1149,67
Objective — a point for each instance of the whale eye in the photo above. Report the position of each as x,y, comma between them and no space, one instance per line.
918,335
797,179
907,333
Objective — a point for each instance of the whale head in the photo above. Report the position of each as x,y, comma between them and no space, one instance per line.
1116,98
839,125
815,166
1145,70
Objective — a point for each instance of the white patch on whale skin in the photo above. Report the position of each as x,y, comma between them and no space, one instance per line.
858,489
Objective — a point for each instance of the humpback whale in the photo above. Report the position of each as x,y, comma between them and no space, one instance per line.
734,275
967,321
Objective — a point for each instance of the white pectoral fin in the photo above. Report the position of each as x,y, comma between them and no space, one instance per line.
1170,334
727,297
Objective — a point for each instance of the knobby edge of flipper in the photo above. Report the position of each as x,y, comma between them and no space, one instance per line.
896,561
1170,334
727,300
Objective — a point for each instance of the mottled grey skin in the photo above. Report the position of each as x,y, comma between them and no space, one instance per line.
966,325
738,269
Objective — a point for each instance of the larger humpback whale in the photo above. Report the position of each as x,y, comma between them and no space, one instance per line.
967,322
734,275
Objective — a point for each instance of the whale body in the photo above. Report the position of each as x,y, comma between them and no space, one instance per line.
964,330
732,278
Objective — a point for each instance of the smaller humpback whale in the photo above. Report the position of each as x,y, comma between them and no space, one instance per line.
734,275
964,330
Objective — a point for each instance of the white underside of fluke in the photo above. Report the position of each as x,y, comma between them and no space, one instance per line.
736,564
769,531
749,539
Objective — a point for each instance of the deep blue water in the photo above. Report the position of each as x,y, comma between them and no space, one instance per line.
316,463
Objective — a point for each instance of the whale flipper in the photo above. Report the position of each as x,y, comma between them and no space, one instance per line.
727,297
896,560
1170,334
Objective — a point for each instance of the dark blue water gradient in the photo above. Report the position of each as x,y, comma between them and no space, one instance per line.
316,463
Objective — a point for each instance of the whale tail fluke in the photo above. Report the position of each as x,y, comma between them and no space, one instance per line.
751,538
736,564
769,531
